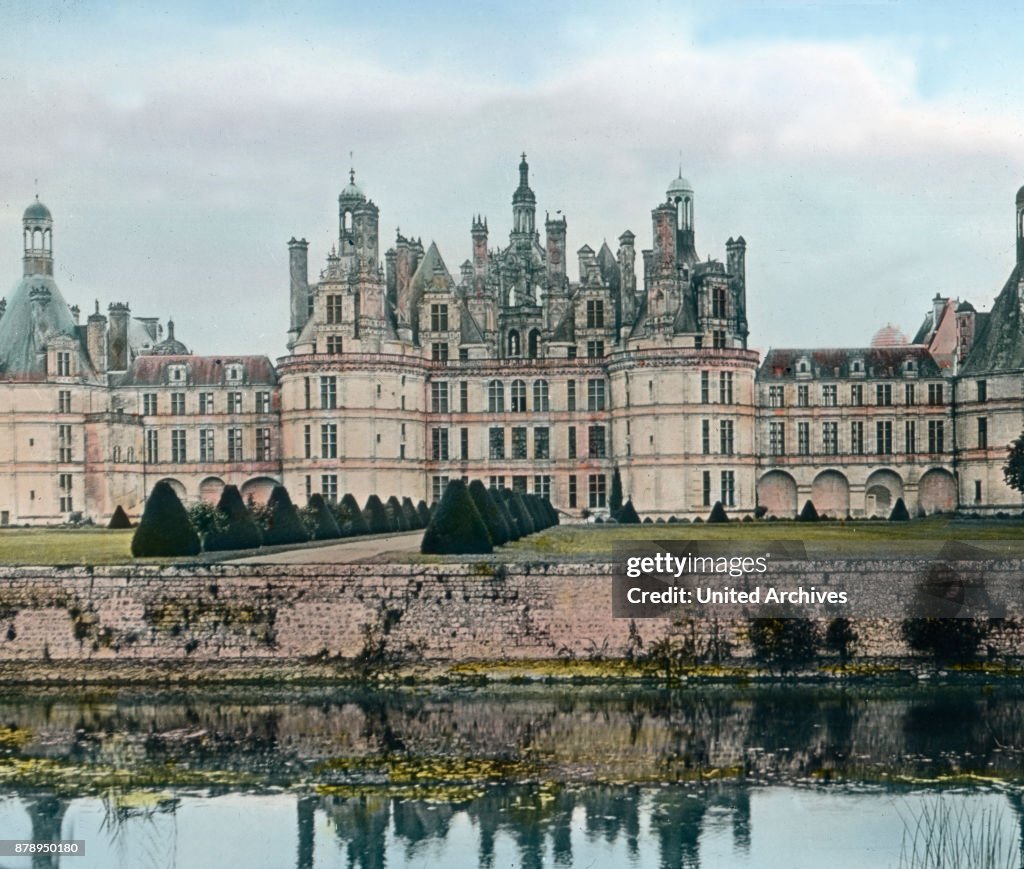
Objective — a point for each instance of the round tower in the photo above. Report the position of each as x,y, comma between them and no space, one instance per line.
37,223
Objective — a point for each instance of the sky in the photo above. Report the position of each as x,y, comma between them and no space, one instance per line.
868,152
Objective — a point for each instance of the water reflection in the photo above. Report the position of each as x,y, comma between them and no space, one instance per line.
526,776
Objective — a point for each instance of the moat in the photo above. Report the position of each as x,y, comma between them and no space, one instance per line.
525,775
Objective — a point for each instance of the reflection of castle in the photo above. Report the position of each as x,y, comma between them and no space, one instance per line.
402,375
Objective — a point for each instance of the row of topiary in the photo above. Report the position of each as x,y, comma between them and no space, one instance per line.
472,520
168,529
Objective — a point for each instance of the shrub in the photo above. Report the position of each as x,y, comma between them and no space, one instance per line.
376,516
205,519
424,513
283,523
119,519
498,496
615,497
325,526
350,517
164,529
411,516
718,513
784,642
457,527
236,529
396,518
490,512
840,637
518,506
537,514
648,520
760,511
552,512
627,515
809,513
673,520
899,512
946,640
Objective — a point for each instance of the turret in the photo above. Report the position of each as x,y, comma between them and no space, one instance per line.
524,207
37,223
298,270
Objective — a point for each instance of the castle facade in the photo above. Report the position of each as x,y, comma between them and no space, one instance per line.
402,374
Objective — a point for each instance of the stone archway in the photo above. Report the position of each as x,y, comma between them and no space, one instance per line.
257,490
936,491
776,493
830,493
210,490
881,491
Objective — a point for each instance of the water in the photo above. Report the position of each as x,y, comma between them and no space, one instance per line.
535,776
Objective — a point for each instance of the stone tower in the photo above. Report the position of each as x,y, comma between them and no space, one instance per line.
37,225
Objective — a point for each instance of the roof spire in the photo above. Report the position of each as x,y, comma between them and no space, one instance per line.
351,168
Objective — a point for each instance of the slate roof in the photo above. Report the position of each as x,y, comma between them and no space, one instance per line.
781,364
27,327
200,370
999,337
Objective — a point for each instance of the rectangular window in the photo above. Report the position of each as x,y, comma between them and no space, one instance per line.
333,309
803,438
63,364
439,444
857,394
464,443
910,436
728,488
977,491
598,494
830,438
705,436
803,395
983,433
883,437
725,387
497,483
570,352
463,396
718,303
718,340
518,396
573,498
66,502
857,437
178,445
829,395
705,497
148,403
177,403
982,386
572,442
329,441
307,441
595,314
334,346
329,487
776,396
883,394
496,442
64,442
570,395
595,395
596,442
910,393
495,397
542,443
439,351
705,387
264,450
152,447
519,450
542,486
206,452
64,401
935,436
234,445
305,391
934,393
206,402
262,402
234,402
725,437
439,396
438,318
541,400
328,393
777,438
519,484
437,487
595,349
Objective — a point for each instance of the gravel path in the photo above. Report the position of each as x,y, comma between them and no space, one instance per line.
344,551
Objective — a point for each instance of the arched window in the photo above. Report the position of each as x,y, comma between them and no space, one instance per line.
130,454
533,344
514,348
117,454
541,401
348,221
518,396
495,397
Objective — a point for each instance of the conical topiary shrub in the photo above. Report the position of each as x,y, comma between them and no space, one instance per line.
376,516
424,513
396,518
119,519
615,496
411,516
498,496
493,518
283,522
350,517
325,526
239,531
540,520
718,513
899,512
627,515
164,529
552,512
456,527
809,513
522,514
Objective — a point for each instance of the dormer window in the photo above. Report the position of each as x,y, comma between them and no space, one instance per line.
233,373
176,373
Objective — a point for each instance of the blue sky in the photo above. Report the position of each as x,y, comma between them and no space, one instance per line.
868,152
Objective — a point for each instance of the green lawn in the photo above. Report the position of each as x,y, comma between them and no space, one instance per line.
65,546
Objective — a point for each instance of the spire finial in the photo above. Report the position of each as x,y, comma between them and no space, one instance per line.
680,162
352,168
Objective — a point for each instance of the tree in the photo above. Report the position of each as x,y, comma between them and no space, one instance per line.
119,519
946,640
235,529
411,516
809,513
490,512
718,513
424,513
899,512
164,529
1013,470
456,527
350,517
514,531
325,526
615,498
840,637
784,642
627,514
519,509
283,522
396,518
376,516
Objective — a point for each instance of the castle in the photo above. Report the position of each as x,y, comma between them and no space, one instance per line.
402,375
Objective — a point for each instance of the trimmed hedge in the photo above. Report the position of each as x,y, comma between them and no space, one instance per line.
490,512
325,526
627,515
899,512
809,513
376,516
498,496
456,527
424,513
119,519
238,530
718,513
522,513
164,529
396,518
350,517
284,525
411,516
